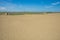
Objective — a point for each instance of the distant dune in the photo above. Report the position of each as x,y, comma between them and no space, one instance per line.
30,27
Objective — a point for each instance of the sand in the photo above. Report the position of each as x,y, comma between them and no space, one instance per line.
30,27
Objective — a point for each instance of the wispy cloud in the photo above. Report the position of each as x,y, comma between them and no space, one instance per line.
8,6
56,3
52,5
2,8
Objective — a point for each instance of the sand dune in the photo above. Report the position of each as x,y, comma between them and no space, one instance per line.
30,27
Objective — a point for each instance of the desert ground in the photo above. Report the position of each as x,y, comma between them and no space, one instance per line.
30,27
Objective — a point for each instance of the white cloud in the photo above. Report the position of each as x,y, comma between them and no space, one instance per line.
48,6
56,3
2,8
9,6
52,5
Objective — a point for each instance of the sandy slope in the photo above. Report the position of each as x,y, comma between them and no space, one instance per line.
30,27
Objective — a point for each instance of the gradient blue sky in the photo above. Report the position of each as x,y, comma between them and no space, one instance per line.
30,5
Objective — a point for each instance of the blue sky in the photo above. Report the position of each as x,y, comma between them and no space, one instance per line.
30,5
